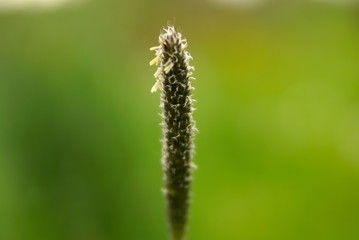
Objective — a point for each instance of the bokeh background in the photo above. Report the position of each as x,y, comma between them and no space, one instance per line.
278,117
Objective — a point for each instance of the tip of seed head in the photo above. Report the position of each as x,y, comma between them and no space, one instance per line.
171,45
169,39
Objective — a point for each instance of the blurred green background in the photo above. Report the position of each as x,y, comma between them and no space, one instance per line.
278,117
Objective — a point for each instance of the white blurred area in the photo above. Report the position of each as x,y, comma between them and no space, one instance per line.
257,3
32,5
239,3
340,2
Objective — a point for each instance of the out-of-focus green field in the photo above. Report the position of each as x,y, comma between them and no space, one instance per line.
278,117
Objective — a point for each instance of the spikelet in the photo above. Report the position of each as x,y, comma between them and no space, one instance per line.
174,81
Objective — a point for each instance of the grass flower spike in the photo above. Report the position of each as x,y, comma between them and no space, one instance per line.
173,79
